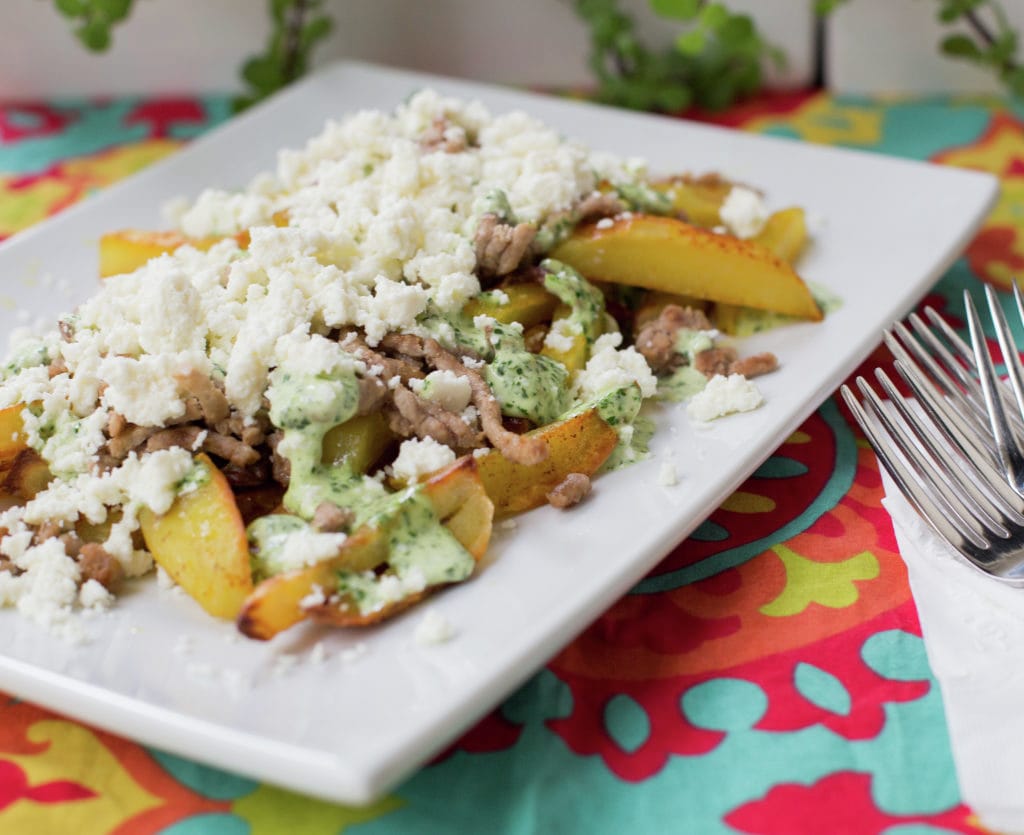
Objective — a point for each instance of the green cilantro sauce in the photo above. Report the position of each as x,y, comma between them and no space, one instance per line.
526,385
306,406
640,197
572,289
685,381
681,384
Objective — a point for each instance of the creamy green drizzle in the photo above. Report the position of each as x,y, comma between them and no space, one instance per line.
526,385
681,384
583,298
640,197
306,407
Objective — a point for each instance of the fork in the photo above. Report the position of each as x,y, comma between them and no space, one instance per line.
940,451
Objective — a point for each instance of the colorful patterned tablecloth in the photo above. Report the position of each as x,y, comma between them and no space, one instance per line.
789,693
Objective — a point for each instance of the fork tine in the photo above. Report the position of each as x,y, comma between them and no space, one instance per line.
1011,359
971,430
973,396
1006,443
966,353
906,480
913,472
984,491
975,447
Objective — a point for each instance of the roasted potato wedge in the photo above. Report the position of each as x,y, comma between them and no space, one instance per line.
661,253
25,476
201,543
459,501
12,439
698,199
785,233
528,304
574,357
126,250
358,442
276,603
580,444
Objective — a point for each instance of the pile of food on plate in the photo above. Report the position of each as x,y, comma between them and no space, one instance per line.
310,400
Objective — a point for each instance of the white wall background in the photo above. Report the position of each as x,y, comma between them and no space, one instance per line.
184,46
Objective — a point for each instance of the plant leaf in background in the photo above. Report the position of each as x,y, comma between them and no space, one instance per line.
717,58
296,27
93,19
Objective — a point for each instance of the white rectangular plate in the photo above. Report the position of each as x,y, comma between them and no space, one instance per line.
351,726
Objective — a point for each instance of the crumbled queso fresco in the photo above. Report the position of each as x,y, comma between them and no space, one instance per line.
368,230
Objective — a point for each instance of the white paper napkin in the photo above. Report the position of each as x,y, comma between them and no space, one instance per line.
974,635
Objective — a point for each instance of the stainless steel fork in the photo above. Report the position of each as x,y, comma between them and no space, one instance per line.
940,451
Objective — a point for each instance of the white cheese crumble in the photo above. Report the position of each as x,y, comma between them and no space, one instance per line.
449,390
94,595
610,368
667,474
561,336
308,547
419,457
724,396
394,587
433,628
743,212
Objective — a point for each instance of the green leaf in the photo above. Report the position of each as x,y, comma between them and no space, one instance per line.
263,73
70,8
691,42
714,16
95,36
112,11
1014,81
739,30
677,9
1002,51
675,98
960,46
315,30
279,10
826,7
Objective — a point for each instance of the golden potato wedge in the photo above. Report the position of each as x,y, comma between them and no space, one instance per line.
25,476
460,500
528,304
580,444
329,615
785,233
574,357
662,253
200,542
457,497
358,442
12,438
275,604
126,250
698,199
